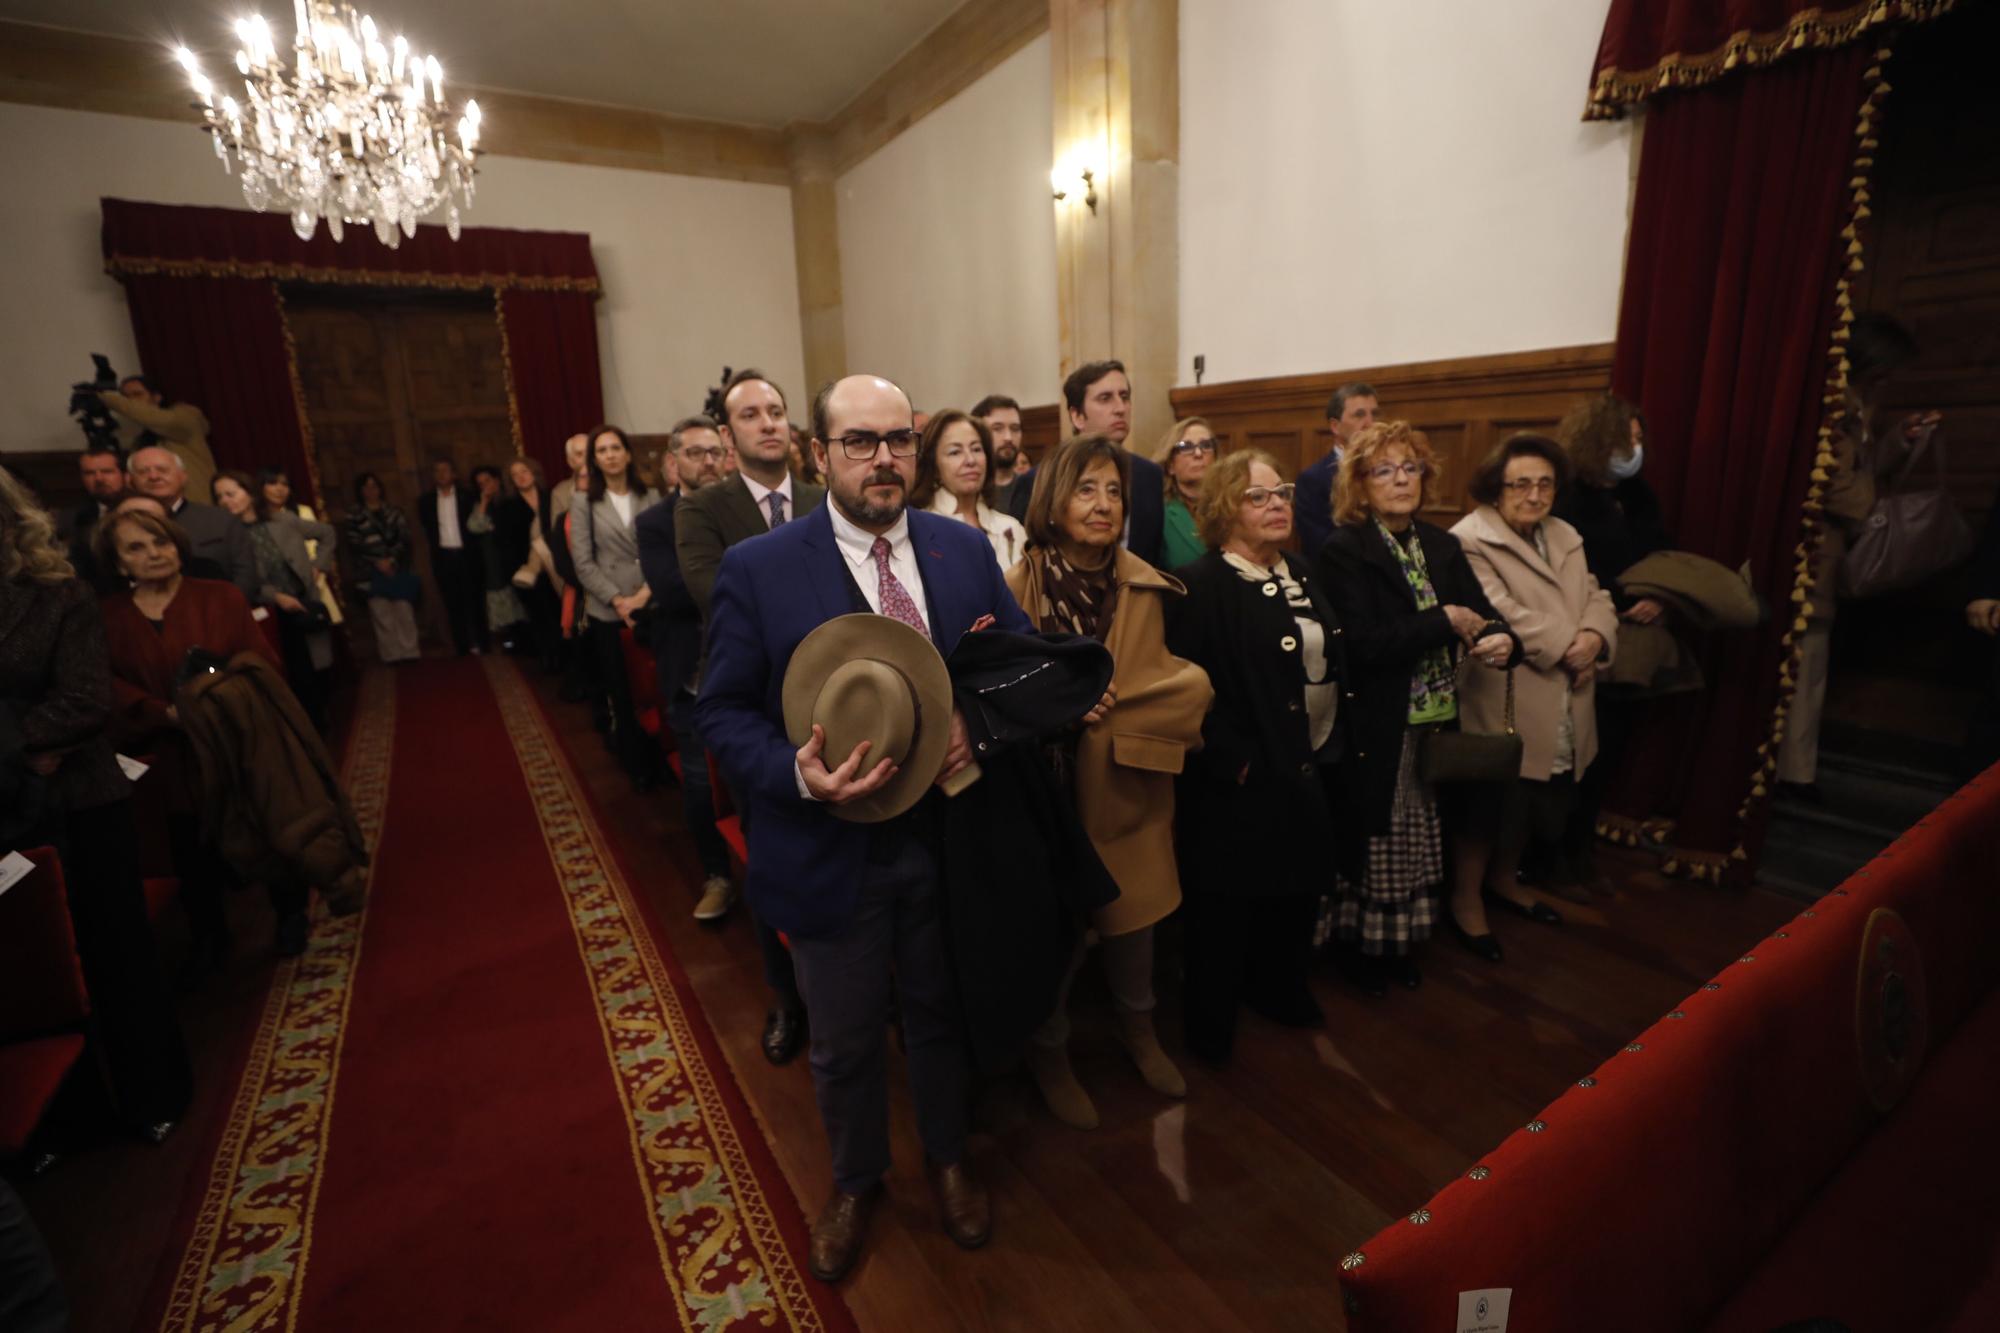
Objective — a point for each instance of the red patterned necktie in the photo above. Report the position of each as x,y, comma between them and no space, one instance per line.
895,598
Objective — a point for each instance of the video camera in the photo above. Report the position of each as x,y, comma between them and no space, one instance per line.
89,410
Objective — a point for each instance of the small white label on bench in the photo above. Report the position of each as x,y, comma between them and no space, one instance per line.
134,770
1484,1311
14,868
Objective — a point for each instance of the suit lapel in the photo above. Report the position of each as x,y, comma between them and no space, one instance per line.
749,520
826,565
930,568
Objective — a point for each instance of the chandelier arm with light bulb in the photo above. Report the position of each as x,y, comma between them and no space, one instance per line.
345,128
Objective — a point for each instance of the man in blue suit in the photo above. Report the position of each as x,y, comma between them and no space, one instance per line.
859,902
1350,411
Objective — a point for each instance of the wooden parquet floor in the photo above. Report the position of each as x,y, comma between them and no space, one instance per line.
1228,1211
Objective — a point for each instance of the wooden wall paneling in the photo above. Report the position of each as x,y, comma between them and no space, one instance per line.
1465,405
1041,429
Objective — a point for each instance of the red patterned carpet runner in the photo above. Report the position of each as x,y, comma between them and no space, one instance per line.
490,1101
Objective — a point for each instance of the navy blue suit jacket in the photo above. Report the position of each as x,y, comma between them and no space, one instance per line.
1312,504
676,619
772,591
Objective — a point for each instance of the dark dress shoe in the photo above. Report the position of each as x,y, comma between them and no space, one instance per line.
157,1132
1484,945
1534,911
963,1205
838,1234
293,929
784,1033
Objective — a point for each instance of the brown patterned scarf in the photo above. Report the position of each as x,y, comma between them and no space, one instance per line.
1080,601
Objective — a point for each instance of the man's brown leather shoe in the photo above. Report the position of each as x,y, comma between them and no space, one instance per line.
963,1206
838,1234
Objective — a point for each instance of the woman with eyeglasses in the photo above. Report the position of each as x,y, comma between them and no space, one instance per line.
955,478
1413,611
1254,842
1533,568
1077,578
1184,456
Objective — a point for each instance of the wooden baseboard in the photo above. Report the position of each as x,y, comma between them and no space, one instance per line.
1465,405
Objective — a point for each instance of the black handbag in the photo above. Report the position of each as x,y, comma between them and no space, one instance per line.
1466,756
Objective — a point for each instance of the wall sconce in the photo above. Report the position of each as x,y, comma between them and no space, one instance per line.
1077,180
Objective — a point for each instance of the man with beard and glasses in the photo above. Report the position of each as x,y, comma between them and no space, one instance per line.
1002,417
761,496
860,902
695,447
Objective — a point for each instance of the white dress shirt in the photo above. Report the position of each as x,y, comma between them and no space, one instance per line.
759,491
449,536
857,547
1004,532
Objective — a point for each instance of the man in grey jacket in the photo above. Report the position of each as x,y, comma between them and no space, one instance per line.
216,535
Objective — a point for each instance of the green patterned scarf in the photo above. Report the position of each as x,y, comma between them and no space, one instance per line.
1434,683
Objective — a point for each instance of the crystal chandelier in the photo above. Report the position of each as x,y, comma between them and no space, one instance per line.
346,128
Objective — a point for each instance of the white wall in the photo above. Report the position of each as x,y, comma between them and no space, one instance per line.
948,246
696,272
1370,184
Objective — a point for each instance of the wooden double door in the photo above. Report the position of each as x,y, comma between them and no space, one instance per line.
393,383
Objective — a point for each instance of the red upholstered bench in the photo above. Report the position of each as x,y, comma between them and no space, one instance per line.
1805,1136
43,1005
642,676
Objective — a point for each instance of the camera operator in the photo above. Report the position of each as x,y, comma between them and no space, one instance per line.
101,466
179,428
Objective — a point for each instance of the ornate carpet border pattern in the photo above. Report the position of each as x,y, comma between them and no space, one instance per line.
720,1245
245,1262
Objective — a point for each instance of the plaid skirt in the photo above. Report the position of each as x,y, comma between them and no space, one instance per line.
1392,907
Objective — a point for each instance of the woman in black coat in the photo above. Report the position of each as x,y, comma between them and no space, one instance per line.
1256,828
1411,607
60,785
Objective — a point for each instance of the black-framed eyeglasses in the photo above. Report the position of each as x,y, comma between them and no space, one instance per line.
701,453
1536,485
862,445
1195,447
1261,496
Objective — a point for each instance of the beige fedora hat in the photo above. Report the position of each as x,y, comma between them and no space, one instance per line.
871,678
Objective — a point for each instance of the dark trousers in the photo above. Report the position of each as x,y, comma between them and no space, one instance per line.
461,580
132,1018
697,799
308,682
544,621
1617,719
204,875
780,973
896,937
634,748
31,1299
1237,947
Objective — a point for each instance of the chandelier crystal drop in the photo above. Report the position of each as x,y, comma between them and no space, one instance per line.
346,127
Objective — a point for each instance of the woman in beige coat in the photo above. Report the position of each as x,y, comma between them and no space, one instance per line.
1532,566
1077,578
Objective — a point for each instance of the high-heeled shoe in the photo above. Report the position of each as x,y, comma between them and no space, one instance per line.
1534,911
1485,946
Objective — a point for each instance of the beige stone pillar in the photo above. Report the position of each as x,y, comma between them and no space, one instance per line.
816,246
1117,107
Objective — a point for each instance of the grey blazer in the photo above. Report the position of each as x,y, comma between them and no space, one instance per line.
606,550
291,534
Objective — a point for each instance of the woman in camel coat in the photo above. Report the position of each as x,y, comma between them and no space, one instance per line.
1532,566
1078,579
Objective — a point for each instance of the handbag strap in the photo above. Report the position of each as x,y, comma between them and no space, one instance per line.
1510,702
1916,454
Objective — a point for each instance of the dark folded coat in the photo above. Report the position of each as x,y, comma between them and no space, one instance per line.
267,790
1020,877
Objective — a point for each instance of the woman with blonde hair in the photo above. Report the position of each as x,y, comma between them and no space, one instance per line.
1412,611
1077,578
1184,455
60,785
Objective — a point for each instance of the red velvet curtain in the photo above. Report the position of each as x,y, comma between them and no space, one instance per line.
1723,336
551,341
219,343
1651,46
209,323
